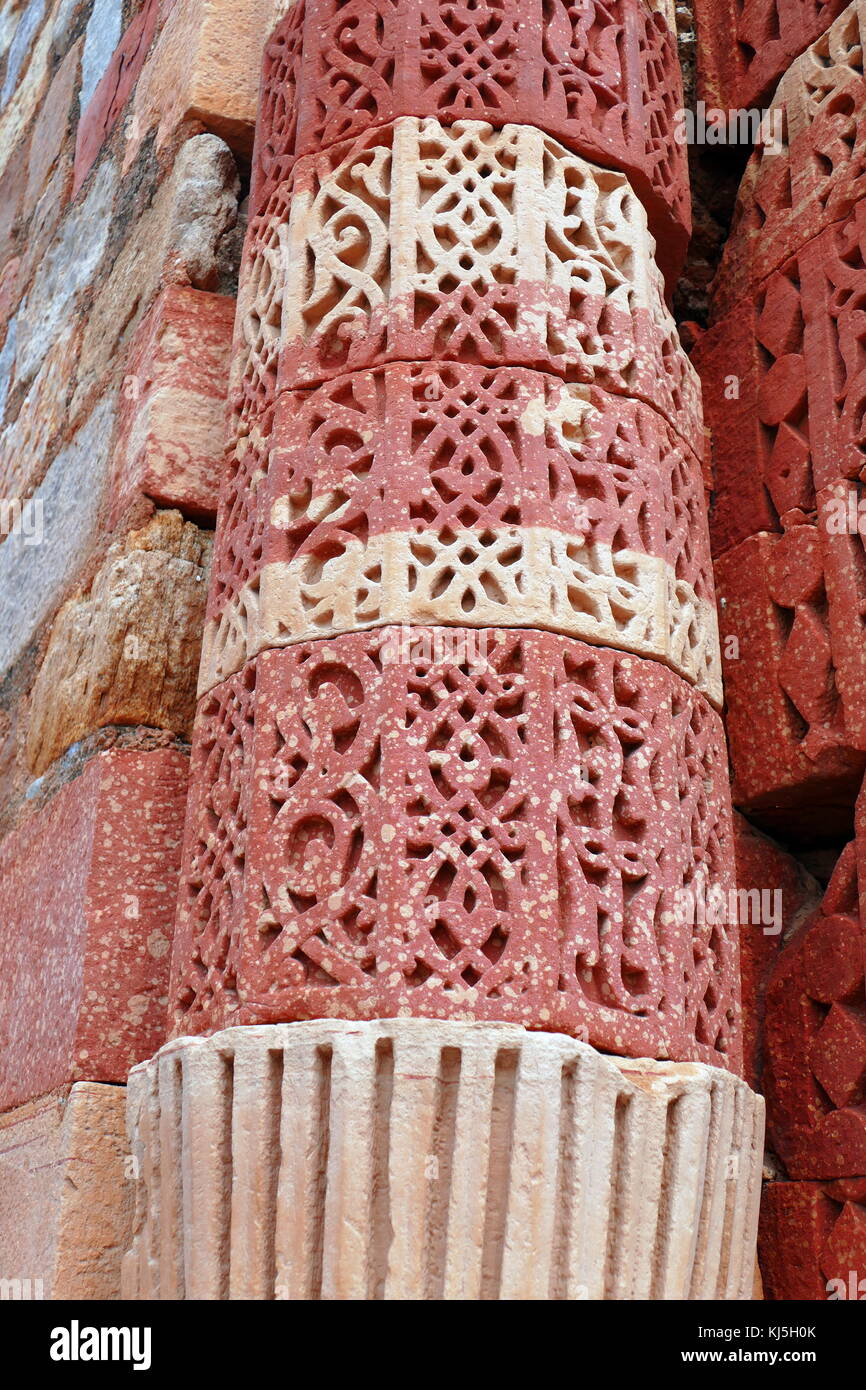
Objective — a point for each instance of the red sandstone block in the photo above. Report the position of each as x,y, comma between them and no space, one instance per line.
172,416
459,823
844,563
87,890
743,49
815,1039
788,742
826,159
113,89
753,375
809,1235
602,78
762,867
818,176
767,228
805,200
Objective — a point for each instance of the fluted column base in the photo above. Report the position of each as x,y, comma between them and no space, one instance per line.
419,1159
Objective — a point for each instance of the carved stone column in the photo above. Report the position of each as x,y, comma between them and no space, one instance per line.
458,755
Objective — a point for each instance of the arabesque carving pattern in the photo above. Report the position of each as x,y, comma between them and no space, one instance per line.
460,823
602,76
465,495
418,241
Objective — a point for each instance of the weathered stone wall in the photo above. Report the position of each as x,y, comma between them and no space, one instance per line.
126,132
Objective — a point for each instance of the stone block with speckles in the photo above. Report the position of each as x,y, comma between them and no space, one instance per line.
423,1160
87,896
791,751
779,896
754,383
172,404
460,823
127,651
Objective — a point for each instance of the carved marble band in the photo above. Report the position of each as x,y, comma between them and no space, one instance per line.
465,243
423,1160
510,577
602,76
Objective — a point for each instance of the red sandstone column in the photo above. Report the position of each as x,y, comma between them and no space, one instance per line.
458,757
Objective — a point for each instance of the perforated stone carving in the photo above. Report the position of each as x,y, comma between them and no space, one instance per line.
834,285
459,823
793,427
602,76
812,173
410,1159
469,244
463,495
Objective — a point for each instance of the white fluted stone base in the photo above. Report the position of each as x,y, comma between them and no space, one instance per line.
416,1159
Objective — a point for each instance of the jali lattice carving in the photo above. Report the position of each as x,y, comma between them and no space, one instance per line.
459,823
463,495
602,76
465,243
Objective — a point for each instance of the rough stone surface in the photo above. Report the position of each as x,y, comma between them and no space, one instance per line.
67,1204
48,142
102,104
87,894
173,402
27,75
420,1160
67,268
127,651
602,78
468,496
70,497
812,1234
100,40
180,239
28,442
459,823
204,67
